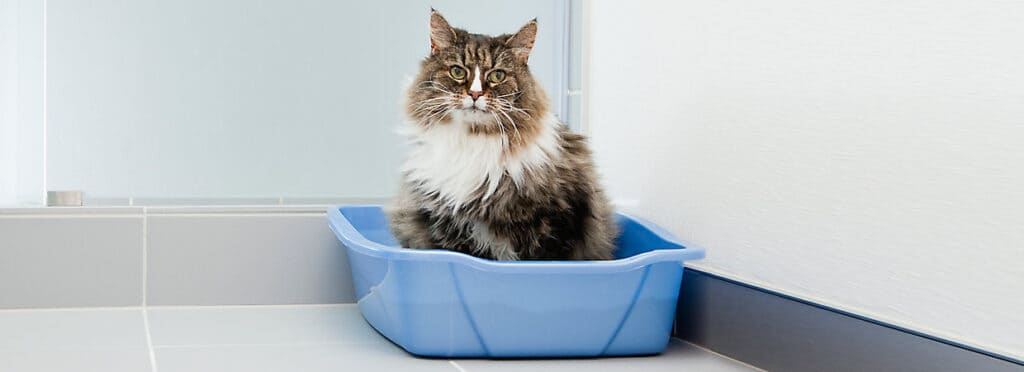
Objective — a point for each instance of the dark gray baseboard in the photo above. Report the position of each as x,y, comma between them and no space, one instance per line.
781,333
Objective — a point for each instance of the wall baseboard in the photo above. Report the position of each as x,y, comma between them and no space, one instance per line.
781,333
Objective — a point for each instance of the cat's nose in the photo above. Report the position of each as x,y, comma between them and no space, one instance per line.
475,94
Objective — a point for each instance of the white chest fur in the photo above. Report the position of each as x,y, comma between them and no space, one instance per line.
450,161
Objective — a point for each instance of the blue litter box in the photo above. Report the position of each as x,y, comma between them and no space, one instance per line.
439,303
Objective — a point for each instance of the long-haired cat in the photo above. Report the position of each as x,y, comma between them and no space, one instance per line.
491,171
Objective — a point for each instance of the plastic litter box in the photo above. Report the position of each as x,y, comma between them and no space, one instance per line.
439,303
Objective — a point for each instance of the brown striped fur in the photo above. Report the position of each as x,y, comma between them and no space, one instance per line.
554,208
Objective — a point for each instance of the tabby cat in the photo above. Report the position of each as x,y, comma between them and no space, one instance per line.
491,171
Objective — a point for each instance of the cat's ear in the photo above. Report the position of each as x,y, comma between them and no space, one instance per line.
522,42
442,35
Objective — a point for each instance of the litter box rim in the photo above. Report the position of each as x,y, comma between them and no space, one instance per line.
674,250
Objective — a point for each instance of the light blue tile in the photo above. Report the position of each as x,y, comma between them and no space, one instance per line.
52,259
244,259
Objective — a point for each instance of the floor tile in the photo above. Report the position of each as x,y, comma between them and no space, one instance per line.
246,325
86,329
261,339
335,337
108,340
276,338
374,356
76,361
680,356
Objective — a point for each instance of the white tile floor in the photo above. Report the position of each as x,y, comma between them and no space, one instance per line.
259,338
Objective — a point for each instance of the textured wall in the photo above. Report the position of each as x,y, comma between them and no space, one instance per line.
865,155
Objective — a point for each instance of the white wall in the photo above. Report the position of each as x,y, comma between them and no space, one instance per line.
8,101
21,122
242,99
862,154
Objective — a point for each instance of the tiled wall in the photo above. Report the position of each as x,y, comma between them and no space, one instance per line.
98,257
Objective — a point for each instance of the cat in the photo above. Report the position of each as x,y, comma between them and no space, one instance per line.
491,171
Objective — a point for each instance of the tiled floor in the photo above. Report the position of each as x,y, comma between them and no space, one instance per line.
259,338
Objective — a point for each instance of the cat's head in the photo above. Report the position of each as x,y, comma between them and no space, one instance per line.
479,80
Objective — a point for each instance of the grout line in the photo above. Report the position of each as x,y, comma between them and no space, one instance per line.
149,341
145,285
457,366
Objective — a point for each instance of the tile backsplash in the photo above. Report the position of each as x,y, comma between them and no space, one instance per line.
245,259
71,260
101,257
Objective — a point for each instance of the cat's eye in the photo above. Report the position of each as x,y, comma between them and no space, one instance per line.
457,73
496,76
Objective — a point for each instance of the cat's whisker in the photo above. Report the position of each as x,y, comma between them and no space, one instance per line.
504,137
442,90
441,98
432,104
428,111
430,108
523,112
513,124
515,109
507,106
436,116
516,94
501,128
